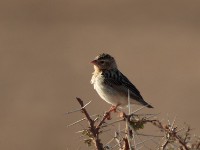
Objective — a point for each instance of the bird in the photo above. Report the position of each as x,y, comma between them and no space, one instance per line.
112,86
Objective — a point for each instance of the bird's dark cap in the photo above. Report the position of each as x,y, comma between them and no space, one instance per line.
104,56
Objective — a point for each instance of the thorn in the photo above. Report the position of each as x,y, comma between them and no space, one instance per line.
173,122
80,121
67,113
137,110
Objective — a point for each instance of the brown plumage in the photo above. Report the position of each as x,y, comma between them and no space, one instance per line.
111,85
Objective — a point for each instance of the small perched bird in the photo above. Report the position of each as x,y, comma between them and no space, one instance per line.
111,85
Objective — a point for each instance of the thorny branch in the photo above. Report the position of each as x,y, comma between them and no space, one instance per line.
92,128
135,122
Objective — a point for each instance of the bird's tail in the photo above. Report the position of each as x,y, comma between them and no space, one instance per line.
149,106
146,104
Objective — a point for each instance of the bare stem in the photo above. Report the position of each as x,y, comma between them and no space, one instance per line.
94,131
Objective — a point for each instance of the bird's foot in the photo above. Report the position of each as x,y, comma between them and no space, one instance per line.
113,108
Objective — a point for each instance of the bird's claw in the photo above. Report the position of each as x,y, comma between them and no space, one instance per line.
113,108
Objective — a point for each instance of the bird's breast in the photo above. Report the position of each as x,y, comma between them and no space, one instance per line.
106,92
101,87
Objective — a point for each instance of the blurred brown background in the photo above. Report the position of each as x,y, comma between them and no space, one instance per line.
46,47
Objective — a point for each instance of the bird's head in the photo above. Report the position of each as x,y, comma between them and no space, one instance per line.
104,62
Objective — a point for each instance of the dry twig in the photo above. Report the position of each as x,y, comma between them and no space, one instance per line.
134,123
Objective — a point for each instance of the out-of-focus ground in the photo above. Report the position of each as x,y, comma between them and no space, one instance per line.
46,47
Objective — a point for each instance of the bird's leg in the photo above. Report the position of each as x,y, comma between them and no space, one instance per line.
112,109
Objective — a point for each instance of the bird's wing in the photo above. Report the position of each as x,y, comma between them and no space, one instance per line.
116,78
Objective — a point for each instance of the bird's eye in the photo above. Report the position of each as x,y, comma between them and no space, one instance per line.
102,62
